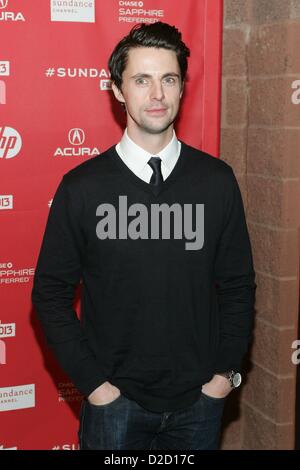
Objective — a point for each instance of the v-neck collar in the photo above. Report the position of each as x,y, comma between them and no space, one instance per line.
117,160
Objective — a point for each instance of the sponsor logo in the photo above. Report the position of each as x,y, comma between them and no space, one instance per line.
2,352
17,397
9,15
73,10
76,72
6,201
76,137
10,142
66,447
68,392
137,12
7,448
7,330
2,92
4,68
81,72
8,275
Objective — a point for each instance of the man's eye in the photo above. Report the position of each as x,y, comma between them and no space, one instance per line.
141,81
170,80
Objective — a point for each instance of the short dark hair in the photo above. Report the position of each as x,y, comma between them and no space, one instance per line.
159,35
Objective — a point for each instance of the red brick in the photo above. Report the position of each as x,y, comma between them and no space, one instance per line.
274,202
236,11
272,348
265,12
262,434
234,52
233,148
271,103
268,50
273,396
295,11
277,300
274,152
275,251
236,102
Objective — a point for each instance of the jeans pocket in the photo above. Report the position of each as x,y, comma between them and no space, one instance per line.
106,405
213,399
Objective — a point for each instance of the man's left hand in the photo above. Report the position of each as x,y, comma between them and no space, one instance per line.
217,387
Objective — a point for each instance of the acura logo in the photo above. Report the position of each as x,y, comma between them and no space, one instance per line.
76,136
3,3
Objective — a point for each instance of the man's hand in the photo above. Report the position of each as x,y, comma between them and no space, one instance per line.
104,394
217,387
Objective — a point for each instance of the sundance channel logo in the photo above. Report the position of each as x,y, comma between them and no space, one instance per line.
73,10
17,398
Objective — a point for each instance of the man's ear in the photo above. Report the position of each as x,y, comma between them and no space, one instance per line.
117,93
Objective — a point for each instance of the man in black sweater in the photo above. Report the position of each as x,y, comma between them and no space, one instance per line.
156,231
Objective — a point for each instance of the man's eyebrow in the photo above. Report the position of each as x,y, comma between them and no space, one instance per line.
147,75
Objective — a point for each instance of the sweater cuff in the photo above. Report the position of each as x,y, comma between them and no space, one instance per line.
228,358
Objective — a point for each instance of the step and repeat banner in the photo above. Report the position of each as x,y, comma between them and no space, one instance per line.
56,111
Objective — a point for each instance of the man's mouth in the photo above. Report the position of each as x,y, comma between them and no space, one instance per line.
156,111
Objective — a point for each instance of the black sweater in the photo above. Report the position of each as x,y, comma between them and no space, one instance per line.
160,313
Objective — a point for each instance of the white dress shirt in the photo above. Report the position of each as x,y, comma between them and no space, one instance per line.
136,158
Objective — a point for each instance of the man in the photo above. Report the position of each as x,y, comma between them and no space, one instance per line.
156,230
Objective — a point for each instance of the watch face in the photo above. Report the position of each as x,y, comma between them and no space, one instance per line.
237,379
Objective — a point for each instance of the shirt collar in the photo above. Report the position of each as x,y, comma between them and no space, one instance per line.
136,157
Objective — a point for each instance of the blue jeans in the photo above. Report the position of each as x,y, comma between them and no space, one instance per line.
124,425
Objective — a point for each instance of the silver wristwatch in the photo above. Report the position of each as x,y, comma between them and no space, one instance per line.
234,378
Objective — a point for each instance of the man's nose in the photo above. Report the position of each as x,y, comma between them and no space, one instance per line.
157,91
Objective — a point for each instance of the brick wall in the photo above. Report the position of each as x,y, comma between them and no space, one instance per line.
260,139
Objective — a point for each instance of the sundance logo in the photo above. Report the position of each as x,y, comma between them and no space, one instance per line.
73,10
16,398
66,447
76,137
10,142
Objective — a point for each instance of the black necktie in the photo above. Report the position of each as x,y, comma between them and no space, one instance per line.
156,178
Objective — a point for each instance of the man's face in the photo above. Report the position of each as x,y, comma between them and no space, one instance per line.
151,89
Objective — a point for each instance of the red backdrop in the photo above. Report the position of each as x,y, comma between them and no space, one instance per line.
57,111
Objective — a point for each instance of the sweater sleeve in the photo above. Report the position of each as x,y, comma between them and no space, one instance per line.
57,276
235,281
